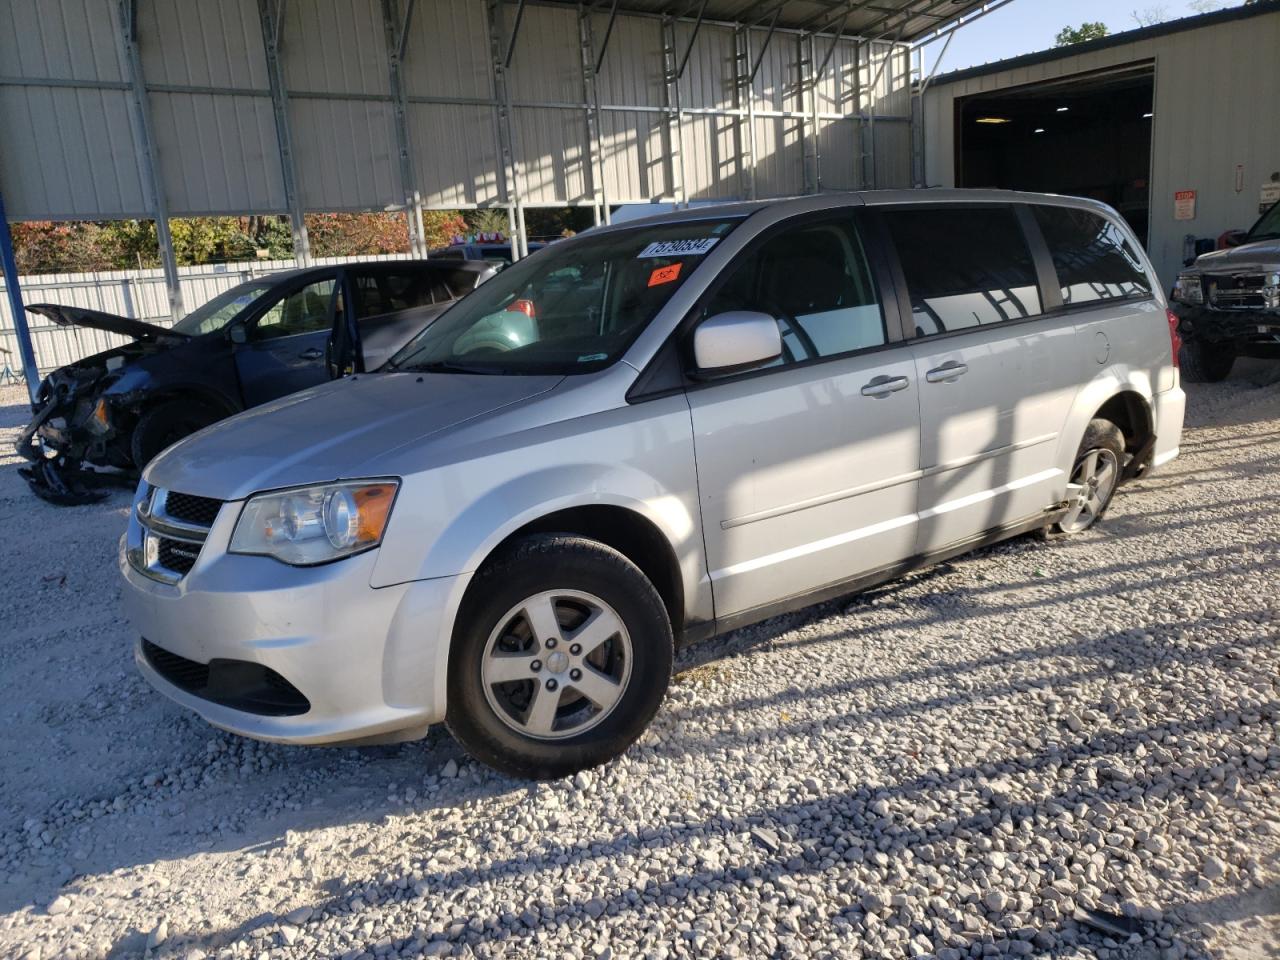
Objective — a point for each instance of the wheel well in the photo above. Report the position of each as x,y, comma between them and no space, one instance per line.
632,535
1130,412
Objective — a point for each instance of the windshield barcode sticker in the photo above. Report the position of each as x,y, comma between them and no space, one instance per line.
678,248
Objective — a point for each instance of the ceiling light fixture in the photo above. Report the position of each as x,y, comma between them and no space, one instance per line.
1063,109
1039,129
992,120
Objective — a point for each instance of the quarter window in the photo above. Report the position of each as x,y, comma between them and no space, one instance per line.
815,281
303,311
1094,259
964,267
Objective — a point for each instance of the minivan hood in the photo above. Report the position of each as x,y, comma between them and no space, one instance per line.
1264,255
97,320
329,432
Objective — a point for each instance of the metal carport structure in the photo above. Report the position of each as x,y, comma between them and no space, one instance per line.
152,110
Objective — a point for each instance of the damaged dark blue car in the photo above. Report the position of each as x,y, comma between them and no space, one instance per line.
100,420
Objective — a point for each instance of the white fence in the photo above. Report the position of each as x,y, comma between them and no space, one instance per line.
131,293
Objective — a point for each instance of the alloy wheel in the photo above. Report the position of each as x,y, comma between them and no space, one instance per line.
556,664
1092,483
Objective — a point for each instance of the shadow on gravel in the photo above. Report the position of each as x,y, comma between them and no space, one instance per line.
1106,767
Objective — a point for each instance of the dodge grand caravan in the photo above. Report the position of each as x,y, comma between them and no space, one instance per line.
641,436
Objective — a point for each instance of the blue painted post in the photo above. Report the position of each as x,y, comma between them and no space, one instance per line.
25,350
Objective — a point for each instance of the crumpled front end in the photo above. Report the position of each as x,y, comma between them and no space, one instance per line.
74,427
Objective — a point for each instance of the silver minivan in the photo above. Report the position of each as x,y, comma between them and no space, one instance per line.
642,436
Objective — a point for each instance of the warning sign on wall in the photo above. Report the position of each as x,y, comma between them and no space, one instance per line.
1270,195
1184,205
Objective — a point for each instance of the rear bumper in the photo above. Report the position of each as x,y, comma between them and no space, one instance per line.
364,663
1170,408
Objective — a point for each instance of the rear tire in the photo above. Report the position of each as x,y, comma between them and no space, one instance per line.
1206,362
561,657
164,425
1095,477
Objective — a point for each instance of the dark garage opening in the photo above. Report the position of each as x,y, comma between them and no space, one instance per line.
1087,135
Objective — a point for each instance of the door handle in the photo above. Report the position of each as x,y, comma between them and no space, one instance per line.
312,353
948,372
881,387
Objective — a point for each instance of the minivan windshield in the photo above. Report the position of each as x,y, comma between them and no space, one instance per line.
219,311
1268,228
574,307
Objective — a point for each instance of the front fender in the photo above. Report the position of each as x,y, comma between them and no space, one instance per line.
449,519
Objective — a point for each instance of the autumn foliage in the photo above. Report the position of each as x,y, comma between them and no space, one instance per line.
44,246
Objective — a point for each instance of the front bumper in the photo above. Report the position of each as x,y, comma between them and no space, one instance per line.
370,663
1237,327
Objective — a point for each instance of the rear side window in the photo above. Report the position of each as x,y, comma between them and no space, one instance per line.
1094,260
380,292
964,267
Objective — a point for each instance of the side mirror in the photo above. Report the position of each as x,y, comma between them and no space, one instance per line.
736,341
236,333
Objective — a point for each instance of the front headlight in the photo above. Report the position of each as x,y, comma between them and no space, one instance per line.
1187,289
313,525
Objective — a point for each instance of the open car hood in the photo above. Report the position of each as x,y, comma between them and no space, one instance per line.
97,320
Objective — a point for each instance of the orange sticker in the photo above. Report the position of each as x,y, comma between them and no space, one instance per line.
663,275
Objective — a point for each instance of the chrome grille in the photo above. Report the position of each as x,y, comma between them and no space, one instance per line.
1244,291
174,529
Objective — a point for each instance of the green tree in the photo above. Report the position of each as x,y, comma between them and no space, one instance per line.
1089,30
488,221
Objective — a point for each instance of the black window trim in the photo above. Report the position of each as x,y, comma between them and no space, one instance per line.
670,362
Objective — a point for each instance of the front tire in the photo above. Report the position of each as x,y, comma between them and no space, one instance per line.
164,425
1095,477
1205,362
560,659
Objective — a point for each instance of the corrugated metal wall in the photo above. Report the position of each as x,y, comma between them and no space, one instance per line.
1216,90
71,137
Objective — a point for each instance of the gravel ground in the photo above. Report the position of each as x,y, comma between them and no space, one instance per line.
958,765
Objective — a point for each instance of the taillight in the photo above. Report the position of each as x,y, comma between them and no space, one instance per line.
523,306
1175,338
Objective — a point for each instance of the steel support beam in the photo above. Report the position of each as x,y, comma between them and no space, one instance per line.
271,13
608,34
693,38
963,21
26,352
675,115
807,102
746,106
831,47
591,94
391,22
144,144
405,22
773,24
515,32
509,180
